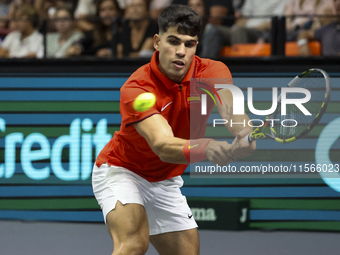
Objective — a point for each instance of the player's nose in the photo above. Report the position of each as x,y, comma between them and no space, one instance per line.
180,51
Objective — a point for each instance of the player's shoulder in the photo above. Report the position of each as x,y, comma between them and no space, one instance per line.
140,79
208,68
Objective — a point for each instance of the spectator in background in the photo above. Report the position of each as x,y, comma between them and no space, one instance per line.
85,11
47,8
85,8
221,12
101,41
66,34
4,8
210,42
138,31
4,13
157,6
328,35
26,42
237,4
245,30
256,29
14,5
300,15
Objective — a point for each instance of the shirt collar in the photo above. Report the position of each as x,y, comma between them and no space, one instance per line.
169,84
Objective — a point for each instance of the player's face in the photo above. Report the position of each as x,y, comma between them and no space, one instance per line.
176,52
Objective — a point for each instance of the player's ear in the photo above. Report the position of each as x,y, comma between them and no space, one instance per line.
156,41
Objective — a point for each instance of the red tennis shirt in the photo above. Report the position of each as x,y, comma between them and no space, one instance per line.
128,148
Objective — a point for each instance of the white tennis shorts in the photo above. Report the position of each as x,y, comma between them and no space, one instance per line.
166,208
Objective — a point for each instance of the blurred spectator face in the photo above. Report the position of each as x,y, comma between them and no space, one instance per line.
107,11
23,23
62,4
137,9
337,6
63,21
197,6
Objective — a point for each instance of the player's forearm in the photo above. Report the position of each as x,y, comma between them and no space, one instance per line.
170,149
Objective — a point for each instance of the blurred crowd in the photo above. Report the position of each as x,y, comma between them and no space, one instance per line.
125,28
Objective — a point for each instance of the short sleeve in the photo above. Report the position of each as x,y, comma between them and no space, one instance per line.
222,72
129,114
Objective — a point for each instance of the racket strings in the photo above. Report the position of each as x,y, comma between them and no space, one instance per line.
295,121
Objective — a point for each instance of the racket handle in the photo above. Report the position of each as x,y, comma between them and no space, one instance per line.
248,139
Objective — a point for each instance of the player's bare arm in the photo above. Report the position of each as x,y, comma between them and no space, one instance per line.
161,140
239,148
168,148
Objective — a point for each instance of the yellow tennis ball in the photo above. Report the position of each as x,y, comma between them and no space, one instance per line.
144,102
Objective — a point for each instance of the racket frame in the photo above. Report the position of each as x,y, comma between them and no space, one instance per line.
258,134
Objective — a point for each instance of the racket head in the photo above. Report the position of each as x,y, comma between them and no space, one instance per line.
317,82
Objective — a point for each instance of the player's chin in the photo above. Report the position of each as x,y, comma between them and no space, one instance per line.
180,73
177,74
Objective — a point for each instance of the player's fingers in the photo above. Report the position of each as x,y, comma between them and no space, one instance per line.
242,134
232,156
227,151
247,151
221,159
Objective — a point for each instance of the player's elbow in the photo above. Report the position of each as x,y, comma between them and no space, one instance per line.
164,157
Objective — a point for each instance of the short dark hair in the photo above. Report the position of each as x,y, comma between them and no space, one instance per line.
187,20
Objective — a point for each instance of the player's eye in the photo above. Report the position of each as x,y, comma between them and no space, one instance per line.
190,44
174,42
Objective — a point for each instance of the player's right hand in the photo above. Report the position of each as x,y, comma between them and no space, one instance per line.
219,153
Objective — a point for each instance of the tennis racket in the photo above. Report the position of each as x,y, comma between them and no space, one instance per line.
318,83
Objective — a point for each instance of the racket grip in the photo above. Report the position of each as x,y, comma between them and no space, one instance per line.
248,139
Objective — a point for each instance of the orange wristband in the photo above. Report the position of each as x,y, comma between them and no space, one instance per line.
193,150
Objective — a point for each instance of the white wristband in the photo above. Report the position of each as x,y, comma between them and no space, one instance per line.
302,41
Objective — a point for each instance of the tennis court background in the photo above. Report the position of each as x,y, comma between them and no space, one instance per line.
66,118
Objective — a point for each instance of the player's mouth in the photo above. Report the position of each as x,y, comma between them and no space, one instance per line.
179,64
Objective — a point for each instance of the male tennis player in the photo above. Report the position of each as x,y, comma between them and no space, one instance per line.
136,178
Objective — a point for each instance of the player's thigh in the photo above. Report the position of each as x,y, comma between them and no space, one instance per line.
180,242
128,225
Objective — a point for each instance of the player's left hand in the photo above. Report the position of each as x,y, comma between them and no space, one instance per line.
239,147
